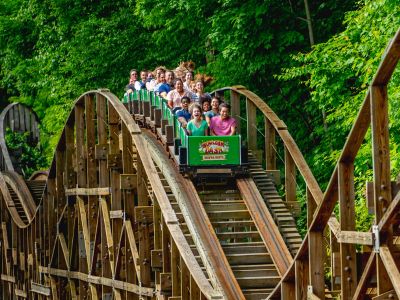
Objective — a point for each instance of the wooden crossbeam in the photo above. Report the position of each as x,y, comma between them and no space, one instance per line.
391,268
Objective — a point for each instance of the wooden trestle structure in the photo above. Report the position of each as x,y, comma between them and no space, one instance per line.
114,219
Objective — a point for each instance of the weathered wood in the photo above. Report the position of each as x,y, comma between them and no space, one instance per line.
347,222
251,126
391,268
270,146
235,108
290,177
316,263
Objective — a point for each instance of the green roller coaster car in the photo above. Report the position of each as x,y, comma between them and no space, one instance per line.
198,155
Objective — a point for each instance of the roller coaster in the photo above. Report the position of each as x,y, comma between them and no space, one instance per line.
114,218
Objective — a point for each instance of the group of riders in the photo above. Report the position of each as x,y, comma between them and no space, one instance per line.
198,113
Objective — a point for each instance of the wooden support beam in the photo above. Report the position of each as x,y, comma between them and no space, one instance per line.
290,177
316,263
288,290
365,277
301,279
251,126
347,222
391,268
235,109
270,145
87,191
40,289
381,168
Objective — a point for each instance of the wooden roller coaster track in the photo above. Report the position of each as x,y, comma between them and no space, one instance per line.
114,219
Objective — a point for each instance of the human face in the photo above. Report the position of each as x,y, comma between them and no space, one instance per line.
206,106
189,77
161,77
224,112
143,76
214,104
199,87
196,112
179,86
133,77
158,73
185,104
169,76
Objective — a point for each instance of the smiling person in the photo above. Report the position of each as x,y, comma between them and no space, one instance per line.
183,114
223,124
174,97
130,87
188,81
200,91
141,84
197,126
150,85
215,103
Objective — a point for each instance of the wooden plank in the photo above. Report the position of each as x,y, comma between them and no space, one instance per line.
133,247
144,214
85,229
54,290
251,126
40,289
98,280
194,290
235,109
128,181
365,276
64,249
381,168
176,274
301,278
165,283
8,278
316,263
87,191
290,177
391,268
347,222
108,232
270,145
185,281
288,291
355,237
21,293
388,295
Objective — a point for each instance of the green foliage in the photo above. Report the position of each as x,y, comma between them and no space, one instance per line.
29,158
337,74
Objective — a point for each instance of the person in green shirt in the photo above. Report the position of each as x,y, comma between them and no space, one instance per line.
197,126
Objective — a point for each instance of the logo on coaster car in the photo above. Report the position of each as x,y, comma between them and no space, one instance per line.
214,150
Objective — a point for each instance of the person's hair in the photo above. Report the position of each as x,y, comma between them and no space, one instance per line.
144,71
216,98
133,70
185,98
224,105
176,81
204,99
193,106
159,68
172,72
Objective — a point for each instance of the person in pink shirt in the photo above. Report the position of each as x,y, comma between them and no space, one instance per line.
223,124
